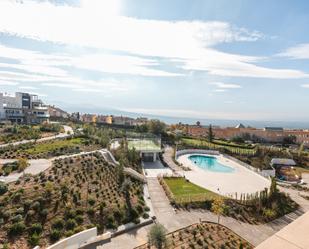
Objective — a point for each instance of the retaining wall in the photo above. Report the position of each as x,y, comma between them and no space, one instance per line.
76,240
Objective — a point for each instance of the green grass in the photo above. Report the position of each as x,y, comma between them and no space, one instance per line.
206,144
53,145
184,191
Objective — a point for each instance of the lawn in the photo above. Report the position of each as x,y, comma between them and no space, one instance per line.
51,146
183,191
208,145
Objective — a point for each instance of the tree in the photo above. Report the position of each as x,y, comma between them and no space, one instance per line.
198,123
218,207
301,149
156,236
156,127
125,189
22,165
210,135
289,140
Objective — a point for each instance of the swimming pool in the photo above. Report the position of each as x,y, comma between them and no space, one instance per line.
210,163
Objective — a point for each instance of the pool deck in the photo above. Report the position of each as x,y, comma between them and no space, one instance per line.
241,180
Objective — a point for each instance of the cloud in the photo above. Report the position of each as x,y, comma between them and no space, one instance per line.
219,90
300,51
7,83
305,85
140,44
225,85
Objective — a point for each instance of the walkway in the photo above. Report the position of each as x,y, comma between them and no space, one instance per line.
293,236
68,131
35,167
168,156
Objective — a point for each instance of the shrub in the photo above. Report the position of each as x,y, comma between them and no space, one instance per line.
36,228
36,206
17,218
90,211
58,224
3,188
156,236
55,235
145,215
91,202
44,213
16,229
269,213
70,224
34,239
79,219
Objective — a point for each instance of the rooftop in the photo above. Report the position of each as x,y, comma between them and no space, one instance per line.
283,161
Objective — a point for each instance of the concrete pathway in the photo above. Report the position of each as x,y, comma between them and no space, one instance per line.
168,156
68,131
35,167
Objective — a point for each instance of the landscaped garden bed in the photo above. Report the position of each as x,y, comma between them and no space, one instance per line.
48,149
201,236
254,209
15,133
13,167
74,194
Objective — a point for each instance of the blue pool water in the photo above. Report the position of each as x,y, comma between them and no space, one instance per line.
210,163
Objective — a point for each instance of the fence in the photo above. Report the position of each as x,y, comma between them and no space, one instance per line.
196,151
257,171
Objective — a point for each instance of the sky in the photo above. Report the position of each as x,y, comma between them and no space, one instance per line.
236,60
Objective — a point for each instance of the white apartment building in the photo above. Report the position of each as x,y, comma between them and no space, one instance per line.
23,108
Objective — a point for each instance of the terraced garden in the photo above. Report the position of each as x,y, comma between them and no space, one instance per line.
48,149
203,235
74,194
14,133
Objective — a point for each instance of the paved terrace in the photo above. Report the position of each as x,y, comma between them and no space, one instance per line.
293,236
242,180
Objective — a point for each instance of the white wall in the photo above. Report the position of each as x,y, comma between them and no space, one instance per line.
76,240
